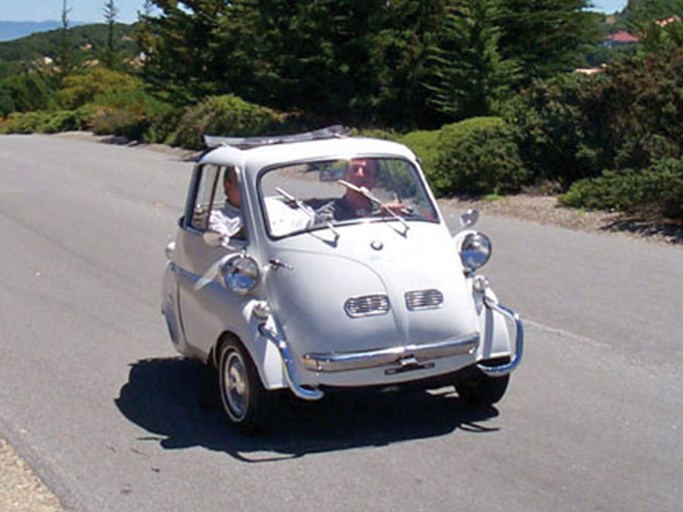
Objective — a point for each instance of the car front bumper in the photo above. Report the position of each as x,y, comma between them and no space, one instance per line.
401,356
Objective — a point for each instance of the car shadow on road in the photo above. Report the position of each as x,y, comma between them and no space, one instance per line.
162,396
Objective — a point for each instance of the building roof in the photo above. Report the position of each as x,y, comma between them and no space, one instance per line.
622,37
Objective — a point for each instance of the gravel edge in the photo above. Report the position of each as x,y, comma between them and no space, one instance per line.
20,489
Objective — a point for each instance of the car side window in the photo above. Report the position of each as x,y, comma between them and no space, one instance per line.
226,217
206,191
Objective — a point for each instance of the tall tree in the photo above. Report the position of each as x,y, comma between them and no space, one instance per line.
469,75
182,58
143,35
110,14
546,36
65,55
401,46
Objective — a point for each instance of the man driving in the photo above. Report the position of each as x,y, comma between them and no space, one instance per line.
361,172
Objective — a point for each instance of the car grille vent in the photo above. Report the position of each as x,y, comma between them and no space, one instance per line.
424,299
367,305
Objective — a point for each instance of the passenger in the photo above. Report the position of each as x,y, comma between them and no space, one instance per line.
227,221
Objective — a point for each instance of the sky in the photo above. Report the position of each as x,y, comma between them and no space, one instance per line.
609,6
91,11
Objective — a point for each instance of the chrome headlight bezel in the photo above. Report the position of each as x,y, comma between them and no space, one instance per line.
241,274
475,250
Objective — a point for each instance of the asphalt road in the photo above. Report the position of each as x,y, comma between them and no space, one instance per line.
93,396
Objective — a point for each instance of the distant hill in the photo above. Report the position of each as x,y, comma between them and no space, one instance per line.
10,30
88,42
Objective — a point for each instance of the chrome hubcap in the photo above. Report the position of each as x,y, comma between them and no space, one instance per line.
235,388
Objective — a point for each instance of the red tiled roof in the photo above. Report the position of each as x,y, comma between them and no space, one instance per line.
622,37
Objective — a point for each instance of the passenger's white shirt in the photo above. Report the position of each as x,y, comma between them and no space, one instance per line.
226,221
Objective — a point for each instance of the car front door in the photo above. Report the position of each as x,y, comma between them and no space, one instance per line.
206,306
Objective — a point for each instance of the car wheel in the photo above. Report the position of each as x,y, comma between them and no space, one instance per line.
479,389
244,399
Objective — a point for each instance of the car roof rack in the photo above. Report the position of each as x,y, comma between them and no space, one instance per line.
330,132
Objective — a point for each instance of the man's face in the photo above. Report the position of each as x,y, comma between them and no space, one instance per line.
232,190
362,173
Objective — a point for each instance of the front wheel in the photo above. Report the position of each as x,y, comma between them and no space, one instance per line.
479,390
244,399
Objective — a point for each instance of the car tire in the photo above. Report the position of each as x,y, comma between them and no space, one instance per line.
243,397
478,389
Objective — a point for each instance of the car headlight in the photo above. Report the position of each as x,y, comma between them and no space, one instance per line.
475,251
241,274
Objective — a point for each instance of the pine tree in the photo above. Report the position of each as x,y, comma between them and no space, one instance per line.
546,36
65,56
110,14
469,75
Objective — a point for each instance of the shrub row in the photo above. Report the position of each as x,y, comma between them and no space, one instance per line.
656,191
48,122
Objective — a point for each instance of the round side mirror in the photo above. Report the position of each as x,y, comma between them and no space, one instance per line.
469,218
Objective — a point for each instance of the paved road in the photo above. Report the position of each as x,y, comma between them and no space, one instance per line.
93,396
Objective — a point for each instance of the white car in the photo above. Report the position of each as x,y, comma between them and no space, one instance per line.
343,275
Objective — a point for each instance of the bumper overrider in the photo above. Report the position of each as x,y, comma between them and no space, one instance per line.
398,357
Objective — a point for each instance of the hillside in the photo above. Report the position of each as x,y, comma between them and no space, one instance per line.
88,41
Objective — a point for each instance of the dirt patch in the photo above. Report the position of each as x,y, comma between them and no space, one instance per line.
546,210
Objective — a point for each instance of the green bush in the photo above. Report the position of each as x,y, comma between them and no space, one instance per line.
134,114
477,156
27,92
629,116
89,86
423,144
657,190
224,115
48,122
560,128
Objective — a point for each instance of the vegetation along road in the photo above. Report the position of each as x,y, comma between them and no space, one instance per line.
95,399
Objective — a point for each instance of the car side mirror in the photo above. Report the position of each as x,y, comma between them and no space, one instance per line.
469,218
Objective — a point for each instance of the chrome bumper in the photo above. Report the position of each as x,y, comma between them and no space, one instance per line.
401,356
290,372
518,346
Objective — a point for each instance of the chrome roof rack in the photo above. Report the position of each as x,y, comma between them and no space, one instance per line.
330,132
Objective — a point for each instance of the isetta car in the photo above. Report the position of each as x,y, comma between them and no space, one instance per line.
342,274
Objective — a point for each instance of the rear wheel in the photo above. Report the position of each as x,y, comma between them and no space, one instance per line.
478,389
244,399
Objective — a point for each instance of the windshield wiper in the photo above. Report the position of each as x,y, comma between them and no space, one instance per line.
384,206
300,205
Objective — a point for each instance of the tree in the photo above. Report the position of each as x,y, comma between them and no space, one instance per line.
400,53
110,14
181,57
659,24
469,75
65,57
546,36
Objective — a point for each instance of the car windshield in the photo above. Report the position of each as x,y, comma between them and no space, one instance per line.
329,193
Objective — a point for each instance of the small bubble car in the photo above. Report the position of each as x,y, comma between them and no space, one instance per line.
342,274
